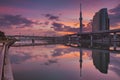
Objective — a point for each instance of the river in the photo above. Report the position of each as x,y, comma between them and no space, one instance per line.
60,62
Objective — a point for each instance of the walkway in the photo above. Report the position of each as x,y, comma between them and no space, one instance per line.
5,66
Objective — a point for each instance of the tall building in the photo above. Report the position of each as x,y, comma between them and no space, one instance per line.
100,21
81,26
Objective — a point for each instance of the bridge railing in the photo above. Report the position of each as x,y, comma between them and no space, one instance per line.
5,63
2,60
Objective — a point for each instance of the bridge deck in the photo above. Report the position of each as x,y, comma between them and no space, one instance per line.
98,32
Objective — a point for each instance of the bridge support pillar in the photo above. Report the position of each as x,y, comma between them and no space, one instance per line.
33,41
114,40
78,40
109,39
114,36
102,40
69,39
91,40
114,45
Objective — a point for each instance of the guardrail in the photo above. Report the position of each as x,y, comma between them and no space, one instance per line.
2,56
5,68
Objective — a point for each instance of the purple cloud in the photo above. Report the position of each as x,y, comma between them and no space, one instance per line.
65,28
57,26
59,51
116,9
46,23
52,61
115,61
88,27
62,27
17,59
52,17
115,16
8,20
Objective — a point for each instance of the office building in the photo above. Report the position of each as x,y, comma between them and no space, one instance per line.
100,21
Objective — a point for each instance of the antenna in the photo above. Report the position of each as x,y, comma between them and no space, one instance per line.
80,7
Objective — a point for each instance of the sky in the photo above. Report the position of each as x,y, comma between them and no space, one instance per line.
53,17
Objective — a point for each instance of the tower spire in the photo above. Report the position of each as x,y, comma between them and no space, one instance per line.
80,7
80,18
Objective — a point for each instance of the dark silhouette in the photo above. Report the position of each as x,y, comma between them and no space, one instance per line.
81,62
101,60
2,36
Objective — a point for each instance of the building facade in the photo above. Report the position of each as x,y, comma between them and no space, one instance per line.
100,21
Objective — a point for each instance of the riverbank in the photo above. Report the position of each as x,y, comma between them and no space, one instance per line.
5,65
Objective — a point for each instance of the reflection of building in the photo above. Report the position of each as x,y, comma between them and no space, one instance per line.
100,21
101,60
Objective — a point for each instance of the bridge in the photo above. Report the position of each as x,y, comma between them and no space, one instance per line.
112,35
100,33
25,37
105,36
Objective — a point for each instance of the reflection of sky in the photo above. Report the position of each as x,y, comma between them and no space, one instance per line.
114,65
58,63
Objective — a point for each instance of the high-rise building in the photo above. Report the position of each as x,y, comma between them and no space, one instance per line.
100,21
81,26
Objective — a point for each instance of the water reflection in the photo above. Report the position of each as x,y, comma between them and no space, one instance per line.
81,53
101,60
59,62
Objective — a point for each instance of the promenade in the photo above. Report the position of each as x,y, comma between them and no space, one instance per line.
5,65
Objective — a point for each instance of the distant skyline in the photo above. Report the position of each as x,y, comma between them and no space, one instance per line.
53,17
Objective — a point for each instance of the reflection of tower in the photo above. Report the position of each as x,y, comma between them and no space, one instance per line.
80,62
80,19
101,60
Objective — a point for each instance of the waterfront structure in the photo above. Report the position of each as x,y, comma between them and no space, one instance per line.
100,21
81,26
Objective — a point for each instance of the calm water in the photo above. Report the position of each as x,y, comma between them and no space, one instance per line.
59,62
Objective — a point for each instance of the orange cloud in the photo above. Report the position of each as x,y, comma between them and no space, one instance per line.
64,33
75,54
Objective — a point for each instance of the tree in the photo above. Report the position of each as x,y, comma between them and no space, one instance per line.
2,36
